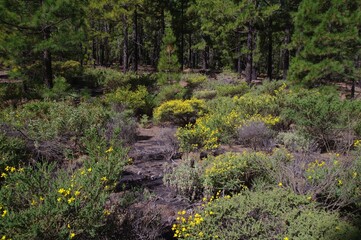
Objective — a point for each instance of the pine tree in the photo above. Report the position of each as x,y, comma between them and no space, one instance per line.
168,60
327,39
38,29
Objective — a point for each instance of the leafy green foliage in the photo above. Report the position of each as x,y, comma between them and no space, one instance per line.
43,201
273,214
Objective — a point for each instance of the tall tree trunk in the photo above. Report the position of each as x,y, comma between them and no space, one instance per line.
270,52
249,58
190,51
125,44
94,51
48,70
182,37
286,52
102,52
135,38
206,58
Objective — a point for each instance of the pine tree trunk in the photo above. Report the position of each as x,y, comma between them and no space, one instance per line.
135,37
286,53
48,70
190,51
249,58
270,52
182,37
125,44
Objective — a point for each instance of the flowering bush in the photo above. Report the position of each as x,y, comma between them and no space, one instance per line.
127,98
273,214
179,111
44,202
231,172
197,136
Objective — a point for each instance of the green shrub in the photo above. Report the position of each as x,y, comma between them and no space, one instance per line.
70,70
231,90
180,112
322,115
43,202
185,179
297,142
12,151
60,90
197,136
272,214
170,92
231,172
129,99
48,120
205,94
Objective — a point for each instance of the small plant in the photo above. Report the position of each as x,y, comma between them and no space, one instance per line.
185,179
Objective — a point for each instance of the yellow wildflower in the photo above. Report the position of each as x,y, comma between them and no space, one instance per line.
5,212
33,202
59,199
89,169
104,179
109,150
106,212
286,238
61,190
76,193
72,235
280,184
70,200
4,175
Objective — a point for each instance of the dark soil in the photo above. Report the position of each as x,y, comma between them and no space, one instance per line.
152,217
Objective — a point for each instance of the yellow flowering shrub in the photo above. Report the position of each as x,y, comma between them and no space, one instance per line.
231,172
198,136
130,99
180,112
272,214
252,104
59,203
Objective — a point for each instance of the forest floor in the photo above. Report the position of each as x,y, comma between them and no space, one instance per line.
151,155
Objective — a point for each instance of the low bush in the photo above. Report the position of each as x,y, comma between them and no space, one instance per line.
48,120
232,90
12,151
198,136
231,172
127,98
297,142
322,115
205,94
60,90
170,92
180,112
43,202
272,214
185,179
256,135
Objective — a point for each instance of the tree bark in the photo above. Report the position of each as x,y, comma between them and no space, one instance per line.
190,51
249,58
270,52
286,52
48,70
135,37
125,44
